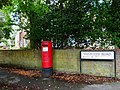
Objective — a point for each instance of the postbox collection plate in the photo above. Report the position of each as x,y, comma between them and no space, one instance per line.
45,49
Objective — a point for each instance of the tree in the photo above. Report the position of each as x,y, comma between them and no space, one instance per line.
78,19
113,21
31,11
2,16
66,19
26,12
1,23
116,21
4,3
67,22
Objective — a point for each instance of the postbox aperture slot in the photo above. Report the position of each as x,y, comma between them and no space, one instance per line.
45,45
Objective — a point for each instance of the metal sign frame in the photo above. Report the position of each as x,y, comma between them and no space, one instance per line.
98,55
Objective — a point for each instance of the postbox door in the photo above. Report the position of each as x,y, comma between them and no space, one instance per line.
46,55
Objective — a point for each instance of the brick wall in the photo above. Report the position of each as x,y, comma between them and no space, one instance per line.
67,60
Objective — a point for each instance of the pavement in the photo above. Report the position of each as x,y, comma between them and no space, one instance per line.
12,81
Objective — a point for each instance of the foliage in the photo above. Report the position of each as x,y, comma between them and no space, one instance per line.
4,3
6,29
115,26
26,12
68,22
33,11
61,23
1,23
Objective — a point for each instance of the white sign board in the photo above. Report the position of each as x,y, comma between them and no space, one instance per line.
106,55
45,49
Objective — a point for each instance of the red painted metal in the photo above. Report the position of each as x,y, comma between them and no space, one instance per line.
46,54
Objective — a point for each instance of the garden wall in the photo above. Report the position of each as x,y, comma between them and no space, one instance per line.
67,60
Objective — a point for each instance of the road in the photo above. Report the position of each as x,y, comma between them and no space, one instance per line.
12,81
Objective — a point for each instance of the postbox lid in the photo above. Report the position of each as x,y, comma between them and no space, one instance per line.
46,42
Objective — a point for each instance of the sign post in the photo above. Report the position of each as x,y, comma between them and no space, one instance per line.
98,56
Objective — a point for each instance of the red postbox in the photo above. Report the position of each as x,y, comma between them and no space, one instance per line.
46,47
